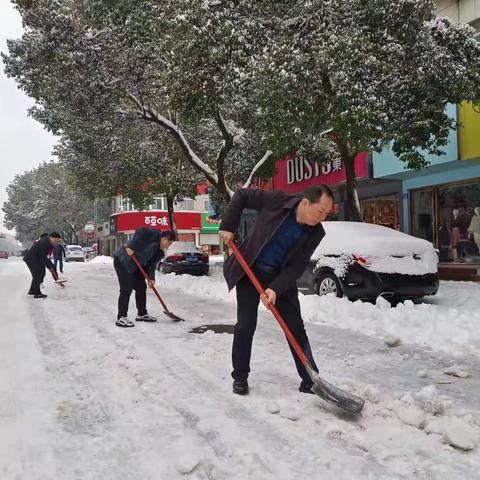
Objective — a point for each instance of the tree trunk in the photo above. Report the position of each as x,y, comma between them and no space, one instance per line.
171,216
348,159
355,212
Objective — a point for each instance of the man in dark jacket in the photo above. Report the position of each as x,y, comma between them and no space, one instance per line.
286,232
147,244
58,256
37,259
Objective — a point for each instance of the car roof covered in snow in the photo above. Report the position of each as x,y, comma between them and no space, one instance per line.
369,240
182,247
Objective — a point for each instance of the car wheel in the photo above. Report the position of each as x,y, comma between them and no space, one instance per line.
327,282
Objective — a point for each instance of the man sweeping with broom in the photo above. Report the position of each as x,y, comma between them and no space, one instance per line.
287,231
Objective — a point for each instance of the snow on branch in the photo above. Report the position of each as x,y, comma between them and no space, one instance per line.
256,168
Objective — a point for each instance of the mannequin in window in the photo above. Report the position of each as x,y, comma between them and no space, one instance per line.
454,235
474,228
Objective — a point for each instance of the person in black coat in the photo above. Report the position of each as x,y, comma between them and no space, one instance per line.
37,260
147,244
286,232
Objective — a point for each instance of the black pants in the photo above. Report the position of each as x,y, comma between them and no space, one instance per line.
247,309
128,282
38,274
59,260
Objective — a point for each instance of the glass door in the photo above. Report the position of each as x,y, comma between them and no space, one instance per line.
423,214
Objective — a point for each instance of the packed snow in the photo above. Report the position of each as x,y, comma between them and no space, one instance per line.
82,399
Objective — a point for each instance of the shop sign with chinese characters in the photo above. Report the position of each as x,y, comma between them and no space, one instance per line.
295,172
127,221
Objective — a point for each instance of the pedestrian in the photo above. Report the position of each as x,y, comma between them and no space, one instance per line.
58,256
286,232
147,244
37,260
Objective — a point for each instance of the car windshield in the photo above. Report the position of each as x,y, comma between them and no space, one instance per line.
75,249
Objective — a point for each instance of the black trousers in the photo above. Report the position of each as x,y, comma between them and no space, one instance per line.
247,310
38,274
59,260
128,282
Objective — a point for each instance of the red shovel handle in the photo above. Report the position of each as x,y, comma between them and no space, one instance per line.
293,342
144,273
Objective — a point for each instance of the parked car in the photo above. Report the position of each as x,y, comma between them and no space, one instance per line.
3,254
364,261
182,257
74,253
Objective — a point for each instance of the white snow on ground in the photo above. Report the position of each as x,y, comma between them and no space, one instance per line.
448,321
81,399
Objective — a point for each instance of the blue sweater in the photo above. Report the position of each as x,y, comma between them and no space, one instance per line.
277,248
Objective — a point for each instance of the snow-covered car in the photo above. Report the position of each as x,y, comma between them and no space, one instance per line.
3,254
74,253
364,261
183,257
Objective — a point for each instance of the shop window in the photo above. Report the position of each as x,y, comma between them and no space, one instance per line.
459,223
383,211
160,203
186,204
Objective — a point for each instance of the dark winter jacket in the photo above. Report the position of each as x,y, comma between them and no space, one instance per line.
273,209
58,252
37,255
146,245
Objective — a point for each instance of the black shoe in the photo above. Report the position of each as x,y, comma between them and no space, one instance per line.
145,318
240,387
306,387
30,293
39,295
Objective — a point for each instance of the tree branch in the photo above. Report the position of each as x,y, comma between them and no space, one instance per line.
265,157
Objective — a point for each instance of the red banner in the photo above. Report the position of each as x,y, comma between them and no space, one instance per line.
295,173
157,219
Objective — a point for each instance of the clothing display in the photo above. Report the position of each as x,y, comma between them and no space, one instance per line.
474,227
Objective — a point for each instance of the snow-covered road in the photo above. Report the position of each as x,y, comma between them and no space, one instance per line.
81,399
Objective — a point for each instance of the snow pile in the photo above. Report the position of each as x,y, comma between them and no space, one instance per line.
439,322
434,415
447,321
337,264
101,259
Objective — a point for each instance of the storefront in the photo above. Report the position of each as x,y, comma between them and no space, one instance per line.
448,215
380,200
123,224
209,240
441,203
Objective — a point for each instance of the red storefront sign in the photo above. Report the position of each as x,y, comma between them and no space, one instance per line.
157,219
295,172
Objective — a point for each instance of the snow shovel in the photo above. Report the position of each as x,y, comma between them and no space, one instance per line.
323,389
166,311
56,279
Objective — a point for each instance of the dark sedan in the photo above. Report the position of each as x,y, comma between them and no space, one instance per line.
182,257
364,261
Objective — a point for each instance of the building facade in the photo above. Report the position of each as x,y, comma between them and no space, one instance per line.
191,221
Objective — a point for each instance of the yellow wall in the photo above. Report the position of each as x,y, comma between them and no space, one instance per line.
469,133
